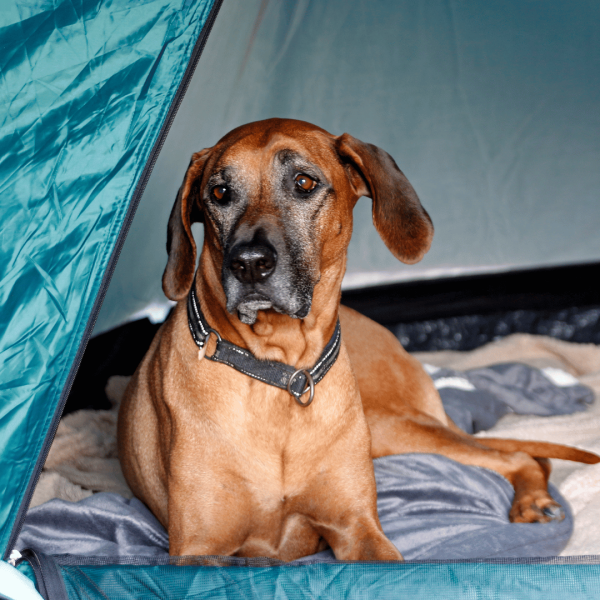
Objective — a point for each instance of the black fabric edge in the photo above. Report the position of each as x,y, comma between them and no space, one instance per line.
111,265
544,288
49,580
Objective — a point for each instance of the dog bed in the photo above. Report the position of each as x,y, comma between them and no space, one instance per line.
430,506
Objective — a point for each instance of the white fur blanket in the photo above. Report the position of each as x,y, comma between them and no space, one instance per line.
83,458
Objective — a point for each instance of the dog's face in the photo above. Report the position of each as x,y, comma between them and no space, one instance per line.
273,204
276,198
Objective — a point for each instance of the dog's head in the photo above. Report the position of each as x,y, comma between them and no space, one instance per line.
276,199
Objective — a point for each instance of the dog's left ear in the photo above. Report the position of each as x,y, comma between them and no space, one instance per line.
402,223
181,247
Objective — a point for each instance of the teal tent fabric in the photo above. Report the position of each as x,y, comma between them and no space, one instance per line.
364,581
491,108
85,88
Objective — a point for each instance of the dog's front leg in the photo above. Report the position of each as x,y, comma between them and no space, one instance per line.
343,508
207,515
365,541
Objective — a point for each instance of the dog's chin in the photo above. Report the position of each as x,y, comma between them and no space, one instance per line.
248,308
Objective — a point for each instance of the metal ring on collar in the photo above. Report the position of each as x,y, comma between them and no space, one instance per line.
211,330
204,345
310,387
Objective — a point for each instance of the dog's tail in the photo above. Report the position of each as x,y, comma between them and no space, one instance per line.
541,449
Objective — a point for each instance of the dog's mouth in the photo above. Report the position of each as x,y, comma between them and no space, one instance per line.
250,305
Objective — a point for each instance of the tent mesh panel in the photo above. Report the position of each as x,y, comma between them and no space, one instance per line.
226,577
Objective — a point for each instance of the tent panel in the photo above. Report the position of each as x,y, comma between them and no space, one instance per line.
491,109
377,581
84,92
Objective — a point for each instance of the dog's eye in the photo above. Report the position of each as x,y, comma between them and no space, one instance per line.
304,183
219,192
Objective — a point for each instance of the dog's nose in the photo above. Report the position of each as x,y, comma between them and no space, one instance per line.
253,263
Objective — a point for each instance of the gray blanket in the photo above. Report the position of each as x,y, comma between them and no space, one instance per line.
431,507
477,398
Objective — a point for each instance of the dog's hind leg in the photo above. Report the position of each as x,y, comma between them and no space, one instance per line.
405,414
404,433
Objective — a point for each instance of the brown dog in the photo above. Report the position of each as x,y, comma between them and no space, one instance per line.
232,465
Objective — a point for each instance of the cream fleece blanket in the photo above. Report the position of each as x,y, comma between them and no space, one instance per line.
83,458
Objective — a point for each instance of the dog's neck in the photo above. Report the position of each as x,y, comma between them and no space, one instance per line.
274,336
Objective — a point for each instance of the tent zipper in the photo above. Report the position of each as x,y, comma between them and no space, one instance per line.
133,204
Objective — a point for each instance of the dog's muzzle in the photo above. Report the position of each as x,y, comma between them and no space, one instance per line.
257,277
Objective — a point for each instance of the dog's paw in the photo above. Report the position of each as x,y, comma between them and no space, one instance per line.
536,508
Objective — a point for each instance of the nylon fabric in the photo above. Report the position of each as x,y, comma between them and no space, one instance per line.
364,581
16,586
491,109
85,90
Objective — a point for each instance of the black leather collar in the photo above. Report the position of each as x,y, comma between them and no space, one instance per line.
296,381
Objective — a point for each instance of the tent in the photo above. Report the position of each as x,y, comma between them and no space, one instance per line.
490,109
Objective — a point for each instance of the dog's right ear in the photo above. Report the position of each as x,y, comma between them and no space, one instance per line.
181,247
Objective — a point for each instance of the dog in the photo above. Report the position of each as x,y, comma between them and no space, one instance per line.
250,426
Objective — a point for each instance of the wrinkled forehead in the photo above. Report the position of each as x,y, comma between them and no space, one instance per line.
255,156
